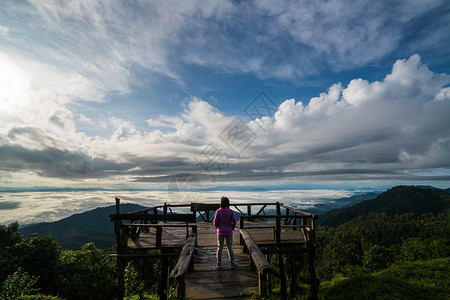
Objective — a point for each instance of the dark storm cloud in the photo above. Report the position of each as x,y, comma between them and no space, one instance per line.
51,162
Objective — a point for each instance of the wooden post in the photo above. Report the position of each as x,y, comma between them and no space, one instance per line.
268,277
286,218
312,254
165,210
283,290
278,208
278,230
303,229
251,263
304,221
120,262
293,285
117,205
155,212
158,236
314,281
181,287
123,238
295,220
262,284
163,283
194,231
313,231
249,211
120,278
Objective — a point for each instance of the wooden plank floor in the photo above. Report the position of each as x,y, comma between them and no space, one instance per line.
171,238
207,283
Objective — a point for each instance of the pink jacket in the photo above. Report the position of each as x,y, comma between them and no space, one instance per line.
224,221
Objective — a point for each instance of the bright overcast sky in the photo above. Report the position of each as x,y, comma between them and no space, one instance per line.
102,92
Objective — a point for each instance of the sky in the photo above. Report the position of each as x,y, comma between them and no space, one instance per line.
134,93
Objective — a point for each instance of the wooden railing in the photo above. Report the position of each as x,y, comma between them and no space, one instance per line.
287,220
131,225
139,223
185,262
143,220
307,225
159,213
206,208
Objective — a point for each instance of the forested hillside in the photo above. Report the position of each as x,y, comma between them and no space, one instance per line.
397,200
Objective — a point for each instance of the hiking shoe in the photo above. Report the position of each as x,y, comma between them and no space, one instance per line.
233,266
218,267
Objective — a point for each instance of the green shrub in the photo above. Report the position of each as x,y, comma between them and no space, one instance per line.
414,249
39,297
18,284
366,286
377,258
407,280
133,284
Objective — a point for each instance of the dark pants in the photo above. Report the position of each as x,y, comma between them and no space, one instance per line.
220,242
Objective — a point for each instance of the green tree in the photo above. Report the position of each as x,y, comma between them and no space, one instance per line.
373,241
414,249
87,274
343,251
9,236
377,258
39,256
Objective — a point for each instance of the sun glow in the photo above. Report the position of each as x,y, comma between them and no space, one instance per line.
14,86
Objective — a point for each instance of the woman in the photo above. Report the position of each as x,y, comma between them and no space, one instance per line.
225,222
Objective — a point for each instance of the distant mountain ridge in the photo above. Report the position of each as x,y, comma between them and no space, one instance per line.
397,200
91,226
320,209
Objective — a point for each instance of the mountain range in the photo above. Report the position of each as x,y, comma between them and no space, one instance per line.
95,225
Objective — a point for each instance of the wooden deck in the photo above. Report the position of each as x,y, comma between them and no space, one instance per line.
205,282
